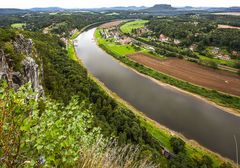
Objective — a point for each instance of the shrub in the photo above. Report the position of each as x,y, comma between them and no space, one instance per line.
177,144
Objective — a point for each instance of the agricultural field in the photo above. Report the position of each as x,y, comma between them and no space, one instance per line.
111,24
228,13
18,25
230,63
128,27
220,26
194,73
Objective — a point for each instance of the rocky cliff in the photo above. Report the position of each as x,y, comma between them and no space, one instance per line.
30,70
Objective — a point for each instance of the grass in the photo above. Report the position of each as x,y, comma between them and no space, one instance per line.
113,156
129,26
71,51
229,63
75,35
18,25
112,14
123,49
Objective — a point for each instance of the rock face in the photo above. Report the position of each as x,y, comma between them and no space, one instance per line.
30,69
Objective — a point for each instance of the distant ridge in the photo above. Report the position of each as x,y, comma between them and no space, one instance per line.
7,11
48,9
161,8
164,9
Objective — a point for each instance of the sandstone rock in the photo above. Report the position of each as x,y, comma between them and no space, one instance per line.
30,69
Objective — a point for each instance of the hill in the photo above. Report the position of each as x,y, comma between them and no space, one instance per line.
9,11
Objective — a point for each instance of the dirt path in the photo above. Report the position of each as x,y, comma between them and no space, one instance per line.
191,72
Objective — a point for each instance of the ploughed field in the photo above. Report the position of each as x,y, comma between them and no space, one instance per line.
111,24
220,26
192,72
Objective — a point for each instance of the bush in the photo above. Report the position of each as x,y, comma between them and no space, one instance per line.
177,144
53,137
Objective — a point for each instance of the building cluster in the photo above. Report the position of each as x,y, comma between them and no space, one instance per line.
163,38
166,39
114,34
218,54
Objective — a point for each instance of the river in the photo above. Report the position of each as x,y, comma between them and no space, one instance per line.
192,117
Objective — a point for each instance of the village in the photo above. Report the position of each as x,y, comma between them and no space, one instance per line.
123,39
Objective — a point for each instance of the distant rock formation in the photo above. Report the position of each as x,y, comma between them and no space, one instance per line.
161,8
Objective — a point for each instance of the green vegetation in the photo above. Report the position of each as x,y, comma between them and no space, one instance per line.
177,144
230,63
8,49
129,26
60,23
65,78
202,32
49,134
18,25
35,131
123,49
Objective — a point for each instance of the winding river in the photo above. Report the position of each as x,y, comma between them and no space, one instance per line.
194,118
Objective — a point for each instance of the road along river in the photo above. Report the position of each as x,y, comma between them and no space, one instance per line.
194,118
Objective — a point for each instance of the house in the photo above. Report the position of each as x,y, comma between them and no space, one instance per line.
215,50
151,48
176,41
163,38
193,47
223,57
125,40
235,53
141,31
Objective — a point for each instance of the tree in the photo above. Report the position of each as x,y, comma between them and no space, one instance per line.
182,161
177,144
225,165
53,137
206,162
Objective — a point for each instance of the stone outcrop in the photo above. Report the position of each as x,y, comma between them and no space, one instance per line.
30,69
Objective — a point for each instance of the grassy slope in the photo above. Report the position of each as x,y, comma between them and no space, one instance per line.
18,25
123,49
229,63
128,27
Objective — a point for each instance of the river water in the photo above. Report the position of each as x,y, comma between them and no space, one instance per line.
195,119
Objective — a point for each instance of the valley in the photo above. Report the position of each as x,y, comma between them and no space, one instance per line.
127,86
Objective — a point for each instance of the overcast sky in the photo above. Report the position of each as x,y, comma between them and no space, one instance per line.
110,3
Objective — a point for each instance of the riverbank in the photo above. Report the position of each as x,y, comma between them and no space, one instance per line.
162,134
229,102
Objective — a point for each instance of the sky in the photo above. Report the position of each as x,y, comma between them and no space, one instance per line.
110,3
